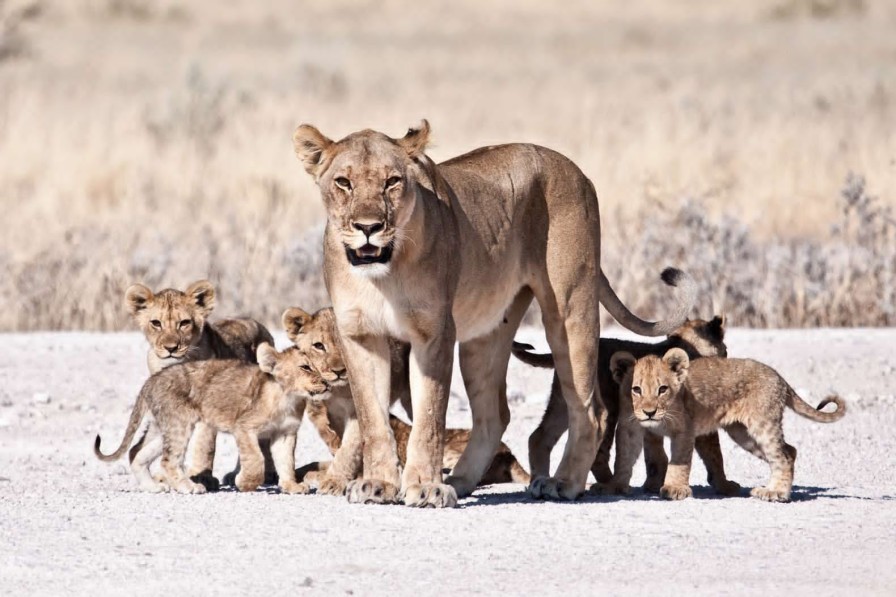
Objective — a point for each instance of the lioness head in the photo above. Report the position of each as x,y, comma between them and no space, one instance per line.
171,320
700,337
315,336
654,384
368,182
292,370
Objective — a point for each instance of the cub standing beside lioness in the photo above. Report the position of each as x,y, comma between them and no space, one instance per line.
676,397
698,338
250,401
175,324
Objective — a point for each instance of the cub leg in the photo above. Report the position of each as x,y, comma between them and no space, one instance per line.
251,463
316,411
710,452
677,483
142,455
553,425
630,437
781,457
742,438
175,438
283,451
202,456
347,463
609,392
655,461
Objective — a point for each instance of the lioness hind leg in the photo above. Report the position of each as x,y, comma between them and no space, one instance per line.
781,457
553,425
175,437
483,365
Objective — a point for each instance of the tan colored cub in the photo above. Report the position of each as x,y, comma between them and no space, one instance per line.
175,324
683,399
698,338
250,401
316,335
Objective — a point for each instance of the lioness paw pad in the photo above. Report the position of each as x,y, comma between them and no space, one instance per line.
609,489
371,491
430,495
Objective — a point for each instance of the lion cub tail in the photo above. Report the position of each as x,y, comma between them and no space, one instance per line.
133,425
801,407
533,359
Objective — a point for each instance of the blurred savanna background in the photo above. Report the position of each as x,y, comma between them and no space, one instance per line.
751,143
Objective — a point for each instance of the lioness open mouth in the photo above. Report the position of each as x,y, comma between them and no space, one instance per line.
368,253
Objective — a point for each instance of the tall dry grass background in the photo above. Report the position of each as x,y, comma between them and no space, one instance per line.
751,143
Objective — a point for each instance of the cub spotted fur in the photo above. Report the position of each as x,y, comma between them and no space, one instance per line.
683,399
698,338
250,401
175,324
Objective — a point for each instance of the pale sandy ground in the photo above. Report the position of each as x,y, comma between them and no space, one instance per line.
70,524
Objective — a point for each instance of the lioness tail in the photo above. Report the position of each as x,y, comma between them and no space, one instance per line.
671,277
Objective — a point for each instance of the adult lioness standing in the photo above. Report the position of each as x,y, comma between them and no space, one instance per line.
431,255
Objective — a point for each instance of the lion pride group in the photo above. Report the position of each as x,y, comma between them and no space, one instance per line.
420,258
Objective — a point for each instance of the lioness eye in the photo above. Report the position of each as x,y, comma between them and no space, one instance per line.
306,368
156,323
392,181
318,346
185,323
663,390
343,182
636,390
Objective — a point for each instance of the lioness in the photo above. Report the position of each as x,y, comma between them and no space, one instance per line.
696,337
175,324
432,255
676,397
316,335
250,401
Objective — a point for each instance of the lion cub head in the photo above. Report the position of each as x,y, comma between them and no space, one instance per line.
171,320
654,384
368,182
315,335
292,371
700,337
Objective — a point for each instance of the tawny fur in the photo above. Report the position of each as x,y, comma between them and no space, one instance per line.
698,338
675,397
250,401
434,254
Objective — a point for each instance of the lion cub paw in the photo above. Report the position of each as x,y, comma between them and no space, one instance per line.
293,487
371,491
729,488
188,486
430,495
609,489
246,484
207,480
332,486
550,488
652,485
770,495
676,492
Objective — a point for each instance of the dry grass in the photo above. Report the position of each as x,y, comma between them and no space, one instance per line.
150,141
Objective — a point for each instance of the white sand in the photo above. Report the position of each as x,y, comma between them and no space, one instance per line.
70,524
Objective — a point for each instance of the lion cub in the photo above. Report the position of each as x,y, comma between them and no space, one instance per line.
251,402
683,399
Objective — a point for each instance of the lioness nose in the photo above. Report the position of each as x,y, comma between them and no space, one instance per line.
649,413
368,229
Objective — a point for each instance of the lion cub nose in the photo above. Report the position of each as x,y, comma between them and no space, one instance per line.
649,413
171,347
368,229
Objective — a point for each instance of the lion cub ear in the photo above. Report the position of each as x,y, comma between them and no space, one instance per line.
678,362
138,297
416,140
294,319
203,295
310,145
620,364
267,357
717,327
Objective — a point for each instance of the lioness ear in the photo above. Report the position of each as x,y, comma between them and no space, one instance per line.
137,297
416,140
310,144
677,360
294,319
203,295
267,357
620,364
717,327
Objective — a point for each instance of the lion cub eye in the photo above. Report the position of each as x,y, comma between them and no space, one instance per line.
156,324
318,346
305,368
392,181
343,183
662,390
185,323
636,390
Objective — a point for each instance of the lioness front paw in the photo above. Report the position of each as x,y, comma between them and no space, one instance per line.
770,495
551,488
676,492
729,488
371,491
430,495
610,488
332,486
292,487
